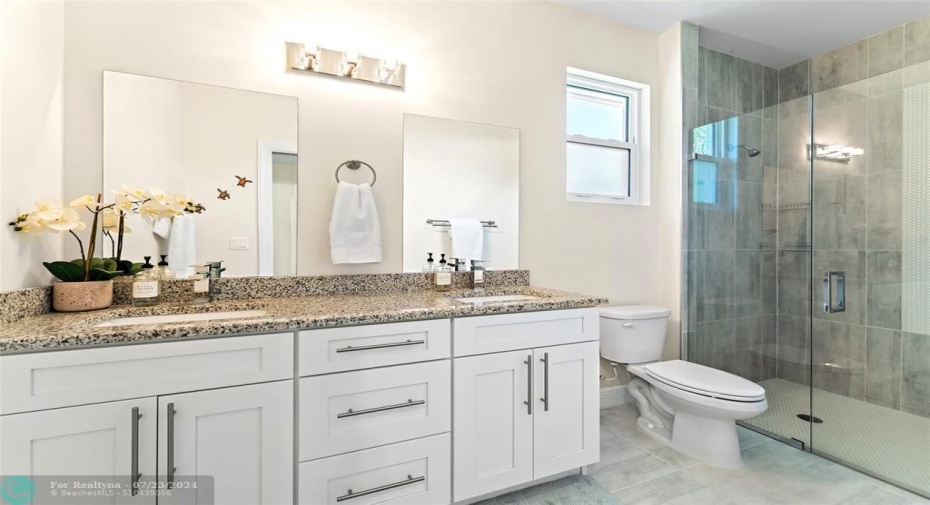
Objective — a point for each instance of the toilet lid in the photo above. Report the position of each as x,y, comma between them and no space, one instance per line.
705,381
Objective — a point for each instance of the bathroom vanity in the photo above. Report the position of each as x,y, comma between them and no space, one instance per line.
404,397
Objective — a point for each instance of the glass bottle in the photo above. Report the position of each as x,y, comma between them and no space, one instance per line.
146,286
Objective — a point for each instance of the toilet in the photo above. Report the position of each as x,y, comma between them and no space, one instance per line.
689,407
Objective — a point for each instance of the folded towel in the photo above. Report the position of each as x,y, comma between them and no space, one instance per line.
182,246
467,239
354,229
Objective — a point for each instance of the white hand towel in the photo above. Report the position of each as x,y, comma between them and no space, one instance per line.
182,247
467,239
354,229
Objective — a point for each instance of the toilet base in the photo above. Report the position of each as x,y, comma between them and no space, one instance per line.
710,440
713,441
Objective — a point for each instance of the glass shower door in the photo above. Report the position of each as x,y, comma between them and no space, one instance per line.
748,249
870,325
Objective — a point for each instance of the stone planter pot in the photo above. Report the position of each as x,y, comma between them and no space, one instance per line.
81,296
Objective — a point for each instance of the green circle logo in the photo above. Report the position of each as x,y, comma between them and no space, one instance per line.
17,490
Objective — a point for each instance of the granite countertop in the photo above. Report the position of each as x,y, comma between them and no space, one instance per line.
62,331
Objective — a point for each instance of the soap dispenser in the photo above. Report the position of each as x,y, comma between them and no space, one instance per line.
442,277
164,273
428,267
146,285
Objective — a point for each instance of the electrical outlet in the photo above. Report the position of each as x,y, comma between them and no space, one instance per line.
238,243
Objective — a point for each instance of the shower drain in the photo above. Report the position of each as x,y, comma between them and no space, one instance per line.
810,419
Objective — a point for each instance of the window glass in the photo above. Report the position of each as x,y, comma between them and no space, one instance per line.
597,115
598,170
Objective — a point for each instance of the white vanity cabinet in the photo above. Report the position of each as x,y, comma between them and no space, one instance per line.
108,439
524,414
239,433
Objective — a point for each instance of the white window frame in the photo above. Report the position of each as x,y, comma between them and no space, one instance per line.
638,103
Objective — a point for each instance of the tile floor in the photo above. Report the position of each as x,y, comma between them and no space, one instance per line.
639,470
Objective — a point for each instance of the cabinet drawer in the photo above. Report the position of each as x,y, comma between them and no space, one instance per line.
415,472
64,378
356,410
508,332
352,348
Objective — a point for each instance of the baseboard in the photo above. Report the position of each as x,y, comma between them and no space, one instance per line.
614,396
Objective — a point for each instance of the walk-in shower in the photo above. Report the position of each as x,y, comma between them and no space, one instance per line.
807,246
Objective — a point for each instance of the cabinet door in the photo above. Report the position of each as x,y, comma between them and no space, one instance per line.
492,424
566,420
90,440
242,436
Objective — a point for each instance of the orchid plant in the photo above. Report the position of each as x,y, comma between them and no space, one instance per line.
50,216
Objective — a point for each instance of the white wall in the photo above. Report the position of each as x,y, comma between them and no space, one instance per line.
454,169
31,48
500,63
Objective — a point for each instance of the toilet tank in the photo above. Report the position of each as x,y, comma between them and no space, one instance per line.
633,333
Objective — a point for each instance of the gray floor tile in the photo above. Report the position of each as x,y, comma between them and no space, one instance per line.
631,472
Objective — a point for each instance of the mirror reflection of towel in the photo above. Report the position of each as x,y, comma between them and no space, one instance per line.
182,247
354,229
467,239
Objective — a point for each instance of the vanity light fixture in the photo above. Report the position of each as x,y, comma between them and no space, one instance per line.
345,64
836,152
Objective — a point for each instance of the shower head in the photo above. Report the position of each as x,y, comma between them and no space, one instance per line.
752,152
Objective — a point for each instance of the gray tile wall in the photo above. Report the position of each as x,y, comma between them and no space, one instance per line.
729,298
857,221
749,259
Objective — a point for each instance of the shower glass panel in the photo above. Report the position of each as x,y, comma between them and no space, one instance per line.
732,251
808,267
871,221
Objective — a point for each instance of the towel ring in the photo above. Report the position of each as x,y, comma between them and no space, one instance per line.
355,165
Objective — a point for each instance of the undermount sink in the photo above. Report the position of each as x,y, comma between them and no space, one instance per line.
477,300
180,318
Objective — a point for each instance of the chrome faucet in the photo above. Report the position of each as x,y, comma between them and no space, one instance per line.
203,280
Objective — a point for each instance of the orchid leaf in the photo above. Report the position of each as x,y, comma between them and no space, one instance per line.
65,271
99,274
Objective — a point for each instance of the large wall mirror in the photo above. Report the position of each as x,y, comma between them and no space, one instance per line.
454,170
233,151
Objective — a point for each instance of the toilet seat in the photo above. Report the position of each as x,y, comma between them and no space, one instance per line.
705,381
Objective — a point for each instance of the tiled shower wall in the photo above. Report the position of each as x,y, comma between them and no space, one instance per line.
749,256
730,297
858,100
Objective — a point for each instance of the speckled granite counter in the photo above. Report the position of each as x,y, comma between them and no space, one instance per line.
60,331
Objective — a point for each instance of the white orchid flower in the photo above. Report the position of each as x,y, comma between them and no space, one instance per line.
84,201
69,220
48,210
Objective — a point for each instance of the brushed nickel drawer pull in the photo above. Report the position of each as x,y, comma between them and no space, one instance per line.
352,348
410,480
171,468
408,403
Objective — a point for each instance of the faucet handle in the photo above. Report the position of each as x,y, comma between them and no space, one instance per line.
216,268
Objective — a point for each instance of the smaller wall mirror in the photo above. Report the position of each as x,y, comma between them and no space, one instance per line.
455,169
233,151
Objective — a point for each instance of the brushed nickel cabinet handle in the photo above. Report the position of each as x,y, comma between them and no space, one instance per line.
529,384
170,455
408,403
352,348
134,470
410,480
545,397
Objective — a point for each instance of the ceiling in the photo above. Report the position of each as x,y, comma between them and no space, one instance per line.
775,33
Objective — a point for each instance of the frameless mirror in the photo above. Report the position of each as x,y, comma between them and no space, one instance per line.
233,151
455,169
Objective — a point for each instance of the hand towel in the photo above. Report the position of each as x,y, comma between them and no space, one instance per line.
182,247
467,239
354,228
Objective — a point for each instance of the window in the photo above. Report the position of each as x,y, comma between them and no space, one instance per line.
606,137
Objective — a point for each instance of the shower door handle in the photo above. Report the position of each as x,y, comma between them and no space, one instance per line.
834,291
